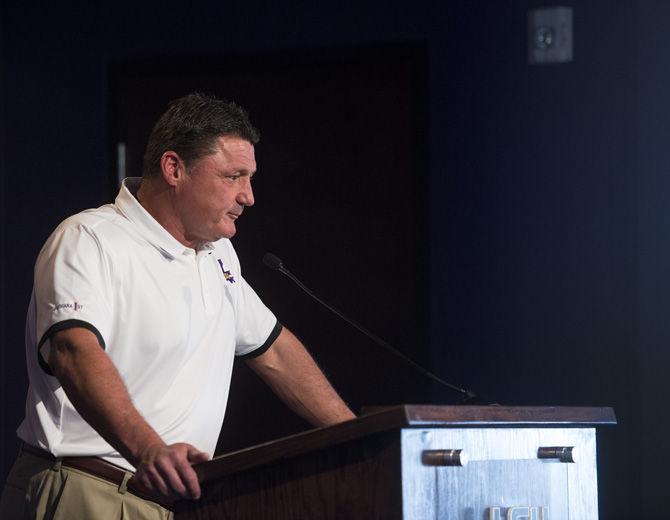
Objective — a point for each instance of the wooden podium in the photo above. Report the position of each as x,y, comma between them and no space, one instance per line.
415,462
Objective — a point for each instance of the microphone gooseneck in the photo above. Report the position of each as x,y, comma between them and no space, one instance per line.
275,263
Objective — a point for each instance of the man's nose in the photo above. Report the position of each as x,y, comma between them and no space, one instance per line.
245,196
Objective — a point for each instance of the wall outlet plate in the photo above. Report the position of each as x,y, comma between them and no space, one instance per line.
550,35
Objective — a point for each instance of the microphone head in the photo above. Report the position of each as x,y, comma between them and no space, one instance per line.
272,261
470,397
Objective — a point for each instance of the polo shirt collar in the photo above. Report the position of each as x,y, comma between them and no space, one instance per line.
148,226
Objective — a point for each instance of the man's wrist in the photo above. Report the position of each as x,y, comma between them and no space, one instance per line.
143,449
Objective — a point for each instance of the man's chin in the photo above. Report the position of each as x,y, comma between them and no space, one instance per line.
227,233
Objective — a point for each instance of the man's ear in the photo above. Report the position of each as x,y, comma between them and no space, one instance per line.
172,167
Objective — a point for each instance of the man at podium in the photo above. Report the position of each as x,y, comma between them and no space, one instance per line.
138,310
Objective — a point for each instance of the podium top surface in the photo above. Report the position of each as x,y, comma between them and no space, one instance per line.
495,415
401,417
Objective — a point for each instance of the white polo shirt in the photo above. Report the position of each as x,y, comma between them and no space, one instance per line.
171,320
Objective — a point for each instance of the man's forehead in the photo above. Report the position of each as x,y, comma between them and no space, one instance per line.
233,144
233,152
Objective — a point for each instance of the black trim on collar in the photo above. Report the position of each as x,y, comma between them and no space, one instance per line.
63,325
265,346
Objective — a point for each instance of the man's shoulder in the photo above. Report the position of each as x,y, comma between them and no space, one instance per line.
102,224
91,218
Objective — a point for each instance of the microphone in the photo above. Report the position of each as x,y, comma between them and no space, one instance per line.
274,263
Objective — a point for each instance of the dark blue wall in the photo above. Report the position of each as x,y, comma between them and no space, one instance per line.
548,189
534,226
651,352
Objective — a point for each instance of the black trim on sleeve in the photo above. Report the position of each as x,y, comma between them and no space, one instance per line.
62,325
265,346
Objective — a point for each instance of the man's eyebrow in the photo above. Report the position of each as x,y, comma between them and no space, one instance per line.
239,172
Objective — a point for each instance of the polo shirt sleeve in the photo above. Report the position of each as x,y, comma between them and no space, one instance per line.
72,285
257,327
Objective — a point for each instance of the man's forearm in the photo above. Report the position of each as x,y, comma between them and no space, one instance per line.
96,390
294,376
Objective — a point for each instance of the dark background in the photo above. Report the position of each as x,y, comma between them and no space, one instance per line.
545,191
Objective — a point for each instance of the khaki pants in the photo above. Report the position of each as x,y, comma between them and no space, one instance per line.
39,489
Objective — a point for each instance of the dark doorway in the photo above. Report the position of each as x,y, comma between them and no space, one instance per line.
341,195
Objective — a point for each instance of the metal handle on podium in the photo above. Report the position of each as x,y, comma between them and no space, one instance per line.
562,453
444,458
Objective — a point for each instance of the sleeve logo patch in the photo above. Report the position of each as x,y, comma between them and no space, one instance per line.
226,273
70,305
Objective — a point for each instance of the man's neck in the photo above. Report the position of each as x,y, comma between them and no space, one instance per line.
157,201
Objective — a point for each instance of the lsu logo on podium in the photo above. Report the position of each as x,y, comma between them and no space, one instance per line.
519,513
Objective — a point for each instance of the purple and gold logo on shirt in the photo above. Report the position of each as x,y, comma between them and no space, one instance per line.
226,273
